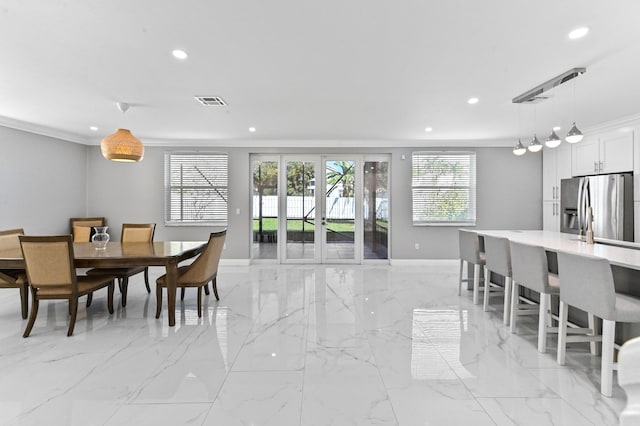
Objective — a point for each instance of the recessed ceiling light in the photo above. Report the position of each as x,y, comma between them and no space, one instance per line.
473,101
179,54
556,128
93,128
578,33
428,129
252,129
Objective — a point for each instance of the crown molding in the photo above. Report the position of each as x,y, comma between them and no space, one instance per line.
629,120
42,130
322,143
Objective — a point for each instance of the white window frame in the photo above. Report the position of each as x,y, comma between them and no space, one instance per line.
471,187
221,189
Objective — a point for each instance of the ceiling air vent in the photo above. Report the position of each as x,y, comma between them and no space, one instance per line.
211,100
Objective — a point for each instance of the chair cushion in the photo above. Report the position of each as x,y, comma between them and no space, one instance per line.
85,285
117,272
162,280
627,308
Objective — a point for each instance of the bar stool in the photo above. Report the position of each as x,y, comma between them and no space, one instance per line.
531,270
587,284
470,253
498,260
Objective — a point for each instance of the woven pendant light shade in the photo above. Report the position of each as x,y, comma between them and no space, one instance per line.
122,146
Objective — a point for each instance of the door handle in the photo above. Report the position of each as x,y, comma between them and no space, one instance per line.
595,166
601,164
554,192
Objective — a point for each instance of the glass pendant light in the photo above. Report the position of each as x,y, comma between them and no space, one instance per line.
535,144
553,140
574,135
519,149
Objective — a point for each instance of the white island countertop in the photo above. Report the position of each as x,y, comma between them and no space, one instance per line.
626,255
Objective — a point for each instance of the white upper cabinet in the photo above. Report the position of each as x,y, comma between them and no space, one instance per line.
607,153
564,161
616,153
556,165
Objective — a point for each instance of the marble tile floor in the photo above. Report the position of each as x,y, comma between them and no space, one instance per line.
295,345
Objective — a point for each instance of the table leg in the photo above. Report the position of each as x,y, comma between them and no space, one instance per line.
172,277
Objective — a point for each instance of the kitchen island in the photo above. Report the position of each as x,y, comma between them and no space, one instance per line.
623,256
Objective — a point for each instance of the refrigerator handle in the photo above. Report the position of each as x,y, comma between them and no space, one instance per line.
581,204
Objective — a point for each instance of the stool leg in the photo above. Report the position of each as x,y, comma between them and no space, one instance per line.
515,291
606,375
507,300
460,281
593,325
487,289
476,284
562,332
545,303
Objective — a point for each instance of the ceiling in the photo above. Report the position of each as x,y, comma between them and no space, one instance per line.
356,72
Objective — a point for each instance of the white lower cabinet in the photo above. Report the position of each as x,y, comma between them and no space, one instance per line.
551,216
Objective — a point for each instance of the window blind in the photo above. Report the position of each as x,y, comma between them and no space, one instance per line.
443,187
196,188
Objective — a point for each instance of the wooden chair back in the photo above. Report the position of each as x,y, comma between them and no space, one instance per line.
138,232
49,262
82,227
9,239
205,267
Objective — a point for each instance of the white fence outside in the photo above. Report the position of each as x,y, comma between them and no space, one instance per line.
299,207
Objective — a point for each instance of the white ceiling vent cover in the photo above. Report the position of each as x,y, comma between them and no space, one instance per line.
211,100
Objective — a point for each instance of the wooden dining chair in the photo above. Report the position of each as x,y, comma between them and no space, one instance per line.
131,233
52,275
198,273
82,227
14,278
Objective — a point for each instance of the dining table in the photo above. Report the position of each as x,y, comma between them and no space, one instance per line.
124,255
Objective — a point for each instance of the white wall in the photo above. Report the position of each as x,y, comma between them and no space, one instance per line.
45,181
509,197
42,182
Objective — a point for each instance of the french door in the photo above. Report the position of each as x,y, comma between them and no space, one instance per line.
320,209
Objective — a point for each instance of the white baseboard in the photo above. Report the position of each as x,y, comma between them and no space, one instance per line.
424,262
235,262
392,262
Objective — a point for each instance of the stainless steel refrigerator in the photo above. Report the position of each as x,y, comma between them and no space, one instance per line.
610,197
